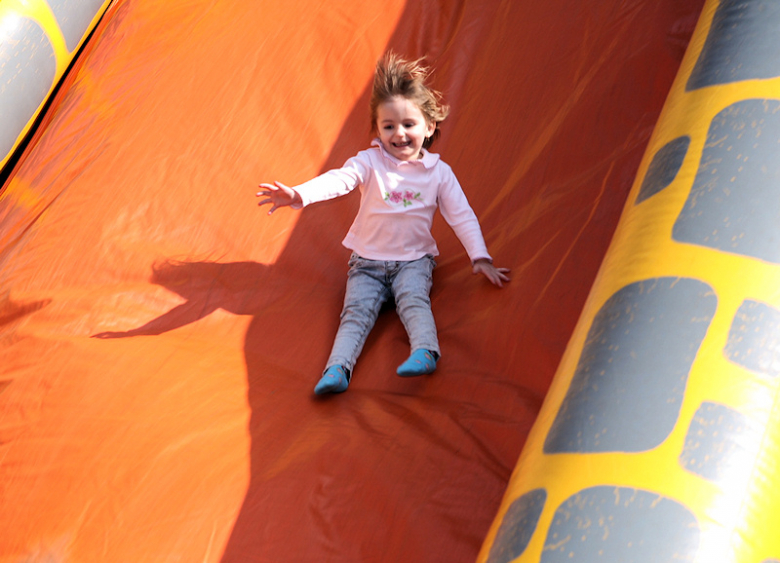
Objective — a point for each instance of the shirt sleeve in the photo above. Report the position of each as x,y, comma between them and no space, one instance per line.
333,183
460,216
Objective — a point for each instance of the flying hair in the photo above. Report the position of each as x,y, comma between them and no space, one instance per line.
396,76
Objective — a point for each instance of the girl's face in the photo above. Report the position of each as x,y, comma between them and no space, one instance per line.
402,128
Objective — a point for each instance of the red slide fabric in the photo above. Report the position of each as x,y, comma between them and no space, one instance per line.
160,336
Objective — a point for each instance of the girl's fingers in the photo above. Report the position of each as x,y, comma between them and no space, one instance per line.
268,189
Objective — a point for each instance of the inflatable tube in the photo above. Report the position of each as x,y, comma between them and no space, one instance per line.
658,440
38,40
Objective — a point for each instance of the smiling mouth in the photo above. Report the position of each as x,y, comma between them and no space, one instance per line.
402,145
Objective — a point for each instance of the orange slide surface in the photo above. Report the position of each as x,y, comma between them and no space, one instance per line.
160,336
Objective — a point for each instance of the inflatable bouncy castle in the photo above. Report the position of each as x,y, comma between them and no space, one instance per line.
160,336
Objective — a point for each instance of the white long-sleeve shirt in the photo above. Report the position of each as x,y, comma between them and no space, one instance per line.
398,201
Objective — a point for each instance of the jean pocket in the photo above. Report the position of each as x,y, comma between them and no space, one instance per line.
355,260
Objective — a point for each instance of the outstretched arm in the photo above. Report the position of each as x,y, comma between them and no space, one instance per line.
496,275
278,195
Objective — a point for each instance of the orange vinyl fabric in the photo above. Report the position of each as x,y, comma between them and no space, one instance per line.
160,335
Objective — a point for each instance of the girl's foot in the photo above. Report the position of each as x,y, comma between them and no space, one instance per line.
334,380
420,362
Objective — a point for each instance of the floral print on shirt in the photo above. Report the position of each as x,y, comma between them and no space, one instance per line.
402,196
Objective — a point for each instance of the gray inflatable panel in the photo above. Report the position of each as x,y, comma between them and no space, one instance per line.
620,525
27,71
663,168
754,338
517,527
74,17
628,386
713,444
742,44
734,204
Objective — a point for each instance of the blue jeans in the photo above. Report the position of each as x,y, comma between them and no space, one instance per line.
370,284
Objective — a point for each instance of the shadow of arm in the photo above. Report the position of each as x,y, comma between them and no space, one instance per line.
181,315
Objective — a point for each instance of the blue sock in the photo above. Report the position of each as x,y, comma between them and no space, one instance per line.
420,362
334,380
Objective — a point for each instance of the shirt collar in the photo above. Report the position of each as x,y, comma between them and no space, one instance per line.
428,160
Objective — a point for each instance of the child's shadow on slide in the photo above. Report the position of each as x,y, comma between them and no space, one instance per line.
280,377
240,288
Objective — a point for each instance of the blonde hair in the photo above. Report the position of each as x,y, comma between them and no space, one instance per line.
396,76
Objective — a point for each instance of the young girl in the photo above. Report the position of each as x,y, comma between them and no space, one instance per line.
401,185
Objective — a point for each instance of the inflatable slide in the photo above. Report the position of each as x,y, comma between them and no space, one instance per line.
160,335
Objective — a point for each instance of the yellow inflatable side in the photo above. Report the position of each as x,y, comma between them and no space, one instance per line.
658,440
38,40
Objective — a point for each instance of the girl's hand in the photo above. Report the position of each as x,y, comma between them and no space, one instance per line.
278,195
496,275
